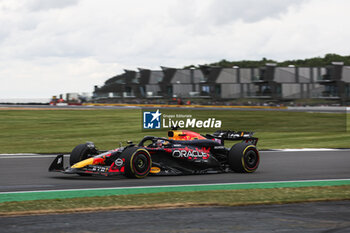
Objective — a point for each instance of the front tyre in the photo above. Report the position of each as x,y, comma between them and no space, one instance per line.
243,158
79,153
138,162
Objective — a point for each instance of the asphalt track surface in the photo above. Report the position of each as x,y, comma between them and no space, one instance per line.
29,172
310,217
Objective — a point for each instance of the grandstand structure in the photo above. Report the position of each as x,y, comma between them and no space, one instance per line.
269,82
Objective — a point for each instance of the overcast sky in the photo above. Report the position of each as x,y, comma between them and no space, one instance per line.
48,47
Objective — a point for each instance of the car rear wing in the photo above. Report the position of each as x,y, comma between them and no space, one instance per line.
222,135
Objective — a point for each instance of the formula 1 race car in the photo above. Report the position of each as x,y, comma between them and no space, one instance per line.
183,152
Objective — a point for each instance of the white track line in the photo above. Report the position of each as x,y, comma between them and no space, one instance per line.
306,150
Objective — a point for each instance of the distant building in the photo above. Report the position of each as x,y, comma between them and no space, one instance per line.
288,82
336,82
268,82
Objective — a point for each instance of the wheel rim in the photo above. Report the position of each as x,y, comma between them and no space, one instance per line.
251,159
141,163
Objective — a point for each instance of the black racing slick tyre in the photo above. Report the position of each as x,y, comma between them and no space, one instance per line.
243,158
138,162
79,153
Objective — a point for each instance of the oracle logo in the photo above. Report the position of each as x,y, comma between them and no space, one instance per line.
188,153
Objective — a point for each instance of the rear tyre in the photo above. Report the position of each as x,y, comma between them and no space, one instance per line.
138,162
243,158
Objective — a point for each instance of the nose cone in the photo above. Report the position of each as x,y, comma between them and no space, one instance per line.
83,163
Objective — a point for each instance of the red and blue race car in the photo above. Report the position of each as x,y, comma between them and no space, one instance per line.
183,152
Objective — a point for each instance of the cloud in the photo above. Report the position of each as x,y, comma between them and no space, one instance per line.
52,76
78,44
42,5
226,11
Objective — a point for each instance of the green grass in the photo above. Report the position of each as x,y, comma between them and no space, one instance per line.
176,199
49,131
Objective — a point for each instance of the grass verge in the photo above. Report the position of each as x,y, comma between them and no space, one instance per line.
49,131
178,199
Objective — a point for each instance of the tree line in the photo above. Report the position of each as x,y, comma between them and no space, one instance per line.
308,62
